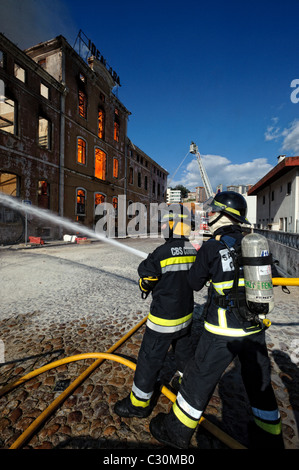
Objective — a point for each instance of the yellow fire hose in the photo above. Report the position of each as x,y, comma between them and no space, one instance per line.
285,281
221,435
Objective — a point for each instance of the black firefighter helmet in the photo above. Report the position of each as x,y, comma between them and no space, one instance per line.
232,204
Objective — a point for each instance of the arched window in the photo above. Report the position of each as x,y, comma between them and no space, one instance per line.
99,198
80,201
81,151
100,164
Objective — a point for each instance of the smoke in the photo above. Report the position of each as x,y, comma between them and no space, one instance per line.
29,22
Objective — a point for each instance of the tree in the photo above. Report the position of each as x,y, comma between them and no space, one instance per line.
184,191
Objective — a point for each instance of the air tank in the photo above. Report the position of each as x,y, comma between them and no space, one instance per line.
257,274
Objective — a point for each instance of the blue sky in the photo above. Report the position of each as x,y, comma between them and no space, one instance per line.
218,73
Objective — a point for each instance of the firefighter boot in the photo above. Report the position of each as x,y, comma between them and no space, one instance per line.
168,430
260,439
126,409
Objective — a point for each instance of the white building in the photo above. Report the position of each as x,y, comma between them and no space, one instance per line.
277,196
173,196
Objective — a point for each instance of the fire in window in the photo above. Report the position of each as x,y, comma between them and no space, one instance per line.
82,104
99,198
80,202
116,125
114,203
101,122
81,152
115,167
43,193
100,164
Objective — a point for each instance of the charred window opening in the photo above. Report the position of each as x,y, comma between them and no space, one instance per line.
80,203
1,59
139,179
82,104
101,123
44,133
9,184
43,194
131,175
19,73
145,182
44,91
115,167
8,116
116,125
81,151
100,164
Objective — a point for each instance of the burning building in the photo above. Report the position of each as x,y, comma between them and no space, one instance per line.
63,134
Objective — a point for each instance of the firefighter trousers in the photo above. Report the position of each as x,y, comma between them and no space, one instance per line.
152,355
213,355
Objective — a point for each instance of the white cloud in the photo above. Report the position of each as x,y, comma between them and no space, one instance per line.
288,135
220,170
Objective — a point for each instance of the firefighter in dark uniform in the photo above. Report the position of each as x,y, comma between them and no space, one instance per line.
164,274
225,337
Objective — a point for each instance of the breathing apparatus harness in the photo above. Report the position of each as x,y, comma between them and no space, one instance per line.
248,315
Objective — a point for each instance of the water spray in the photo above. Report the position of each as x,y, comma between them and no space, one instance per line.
12,203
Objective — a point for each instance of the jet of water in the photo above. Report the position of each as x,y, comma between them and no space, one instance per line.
12,202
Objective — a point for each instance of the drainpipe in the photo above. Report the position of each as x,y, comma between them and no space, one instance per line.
62,144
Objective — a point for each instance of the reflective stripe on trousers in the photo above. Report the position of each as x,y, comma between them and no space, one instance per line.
162,325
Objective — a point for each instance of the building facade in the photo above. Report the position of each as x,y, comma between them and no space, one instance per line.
277,195
29,135
87,147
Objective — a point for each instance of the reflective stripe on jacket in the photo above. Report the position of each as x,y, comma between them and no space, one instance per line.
213,263
172,297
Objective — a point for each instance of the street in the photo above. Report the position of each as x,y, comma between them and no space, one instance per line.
67,299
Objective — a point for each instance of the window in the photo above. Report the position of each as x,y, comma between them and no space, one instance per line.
1,59
44,91
19,73
81,151
114,203
44,133
43,193
139,179
101,123
80,201
131,175
100,164
116,125
9,184
289,188
115,167
82,77
8,119
264,199
145,182
82,104
99,198
154,187
116,131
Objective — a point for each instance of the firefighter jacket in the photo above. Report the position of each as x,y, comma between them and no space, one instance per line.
214,264
172,297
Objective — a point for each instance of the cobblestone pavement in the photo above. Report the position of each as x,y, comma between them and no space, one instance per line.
61,300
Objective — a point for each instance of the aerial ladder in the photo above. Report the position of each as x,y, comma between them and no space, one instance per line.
203,173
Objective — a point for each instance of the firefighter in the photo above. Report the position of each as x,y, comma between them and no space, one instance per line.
163,274
226,336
